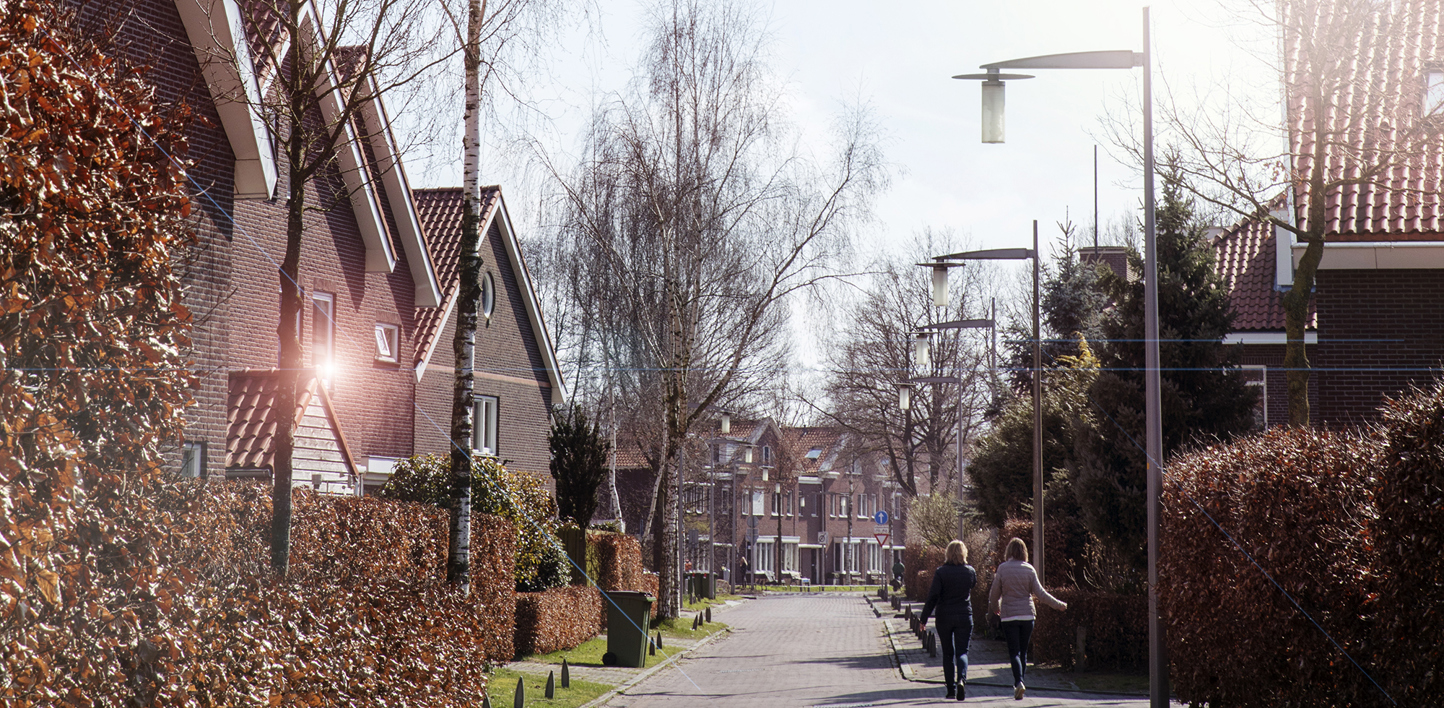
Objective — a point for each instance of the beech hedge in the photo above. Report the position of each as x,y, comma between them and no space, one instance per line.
558,618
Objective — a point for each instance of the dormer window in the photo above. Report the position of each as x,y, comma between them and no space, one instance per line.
814,453
1434,92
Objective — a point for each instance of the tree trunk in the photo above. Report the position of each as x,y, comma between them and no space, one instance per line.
1296,300
290,363
458,551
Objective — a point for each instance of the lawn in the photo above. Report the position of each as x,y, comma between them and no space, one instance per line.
501,687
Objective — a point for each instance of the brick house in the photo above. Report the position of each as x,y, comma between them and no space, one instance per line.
366,266
1376,326
517,380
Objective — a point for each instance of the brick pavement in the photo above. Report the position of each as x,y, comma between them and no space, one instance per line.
814,650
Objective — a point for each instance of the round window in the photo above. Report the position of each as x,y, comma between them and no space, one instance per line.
488,295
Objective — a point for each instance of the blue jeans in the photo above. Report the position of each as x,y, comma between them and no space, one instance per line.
1018,633
955,633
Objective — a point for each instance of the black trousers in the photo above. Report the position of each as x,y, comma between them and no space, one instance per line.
1018,633
954,634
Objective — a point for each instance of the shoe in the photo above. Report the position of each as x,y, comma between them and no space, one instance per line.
962,692
951,692
1018,692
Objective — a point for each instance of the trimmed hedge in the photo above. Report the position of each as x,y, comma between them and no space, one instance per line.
919,560
558,618
1116,626
1301,503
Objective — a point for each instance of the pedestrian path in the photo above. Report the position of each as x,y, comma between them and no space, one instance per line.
815,650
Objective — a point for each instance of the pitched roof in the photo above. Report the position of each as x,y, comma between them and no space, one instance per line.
1245,259
439,211
250,417
1376,106
825,439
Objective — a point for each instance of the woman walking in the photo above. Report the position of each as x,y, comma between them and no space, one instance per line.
1011,596
952,596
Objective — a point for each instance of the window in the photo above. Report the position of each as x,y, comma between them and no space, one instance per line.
484,432
765,556
193,460
789,557
488,295
1256,377
766,454
814,453
323,328
777,504
694,499
1434,92
388,343
757,502
874,558
716,454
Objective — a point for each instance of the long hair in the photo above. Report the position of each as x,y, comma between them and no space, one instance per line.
957,553
1017,550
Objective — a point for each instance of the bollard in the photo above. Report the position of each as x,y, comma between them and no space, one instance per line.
566,675
520,700
486,699
709,615
1080,647
551,690
659,640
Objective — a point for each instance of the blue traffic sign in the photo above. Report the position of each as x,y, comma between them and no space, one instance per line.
880,517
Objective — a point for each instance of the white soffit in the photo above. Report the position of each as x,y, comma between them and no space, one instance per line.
398,194
1379,255
217,35
379,256
1266,338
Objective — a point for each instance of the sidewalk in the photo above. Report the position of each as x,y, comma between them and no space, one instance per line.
987,660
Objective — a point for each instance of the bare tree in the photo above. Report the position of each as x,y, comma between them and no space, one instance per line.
697,217
486,44
874,351
1353,122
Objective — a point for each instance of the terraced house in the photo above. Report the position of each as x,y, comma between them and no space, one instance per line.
377,272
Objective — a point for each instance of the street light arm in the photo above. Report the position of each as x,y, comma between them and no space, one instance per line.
995,254
1110,59
959,324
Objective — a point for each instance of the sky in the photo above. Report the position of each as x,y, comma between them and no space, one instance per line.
898,59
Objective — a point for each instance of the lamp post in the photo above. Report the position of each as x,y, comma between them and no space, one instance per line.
993,133
940,266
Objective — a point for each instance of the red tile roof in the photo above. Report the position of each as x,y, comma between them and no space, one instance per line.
251,424
440,211
1244,258
803,440
1377,106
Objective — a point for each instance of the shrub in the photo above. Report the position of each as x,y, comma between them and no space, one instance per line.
518,497
919,559
559,618
1301,503
1116,625
579,464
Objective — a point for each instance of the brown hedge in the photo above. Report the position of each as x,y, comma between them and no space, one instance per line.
614,561
1116,625
919,559
558,618
1301,503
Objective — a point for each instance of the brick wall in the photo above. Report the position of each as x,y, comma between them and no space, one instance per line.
508,366
1379,332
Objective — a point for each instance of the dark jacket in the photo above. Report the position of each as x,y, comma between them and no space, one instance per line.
952,593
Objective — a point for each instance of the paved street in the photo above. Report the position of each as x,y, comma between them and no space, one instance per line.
812,650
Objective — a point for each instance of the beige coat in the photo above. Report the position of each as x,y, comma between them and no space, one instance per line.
1014,587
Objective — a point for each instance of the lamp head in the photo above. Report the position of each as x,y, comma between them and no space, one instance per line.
993,101
922,350
725,426
904,395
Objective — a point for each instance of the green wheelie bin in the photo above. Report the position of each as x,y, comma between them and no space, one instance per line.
629,615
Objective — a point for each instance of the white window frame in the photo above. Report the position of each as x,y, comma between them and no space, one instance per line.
1263,389
323,321
193,459
766,454
486,410
486,304
388,343
764,552
757,501
1433,92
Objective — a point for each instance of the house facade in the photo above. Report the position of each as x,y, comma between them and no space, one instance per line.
367,271
1375,329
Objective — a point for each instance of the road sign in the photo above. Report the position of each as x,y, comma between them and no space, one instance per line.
880,518
751,522
882,538
822,538
752,535
692,537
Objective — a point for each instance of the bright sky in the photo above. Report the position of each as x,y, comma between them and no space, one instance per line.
899,60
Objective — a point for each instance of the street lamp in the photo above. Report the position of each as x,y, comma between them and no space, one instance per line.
957,259
993,133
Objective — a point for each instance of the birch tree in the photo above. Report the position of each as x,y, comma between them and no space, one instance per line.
695,206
